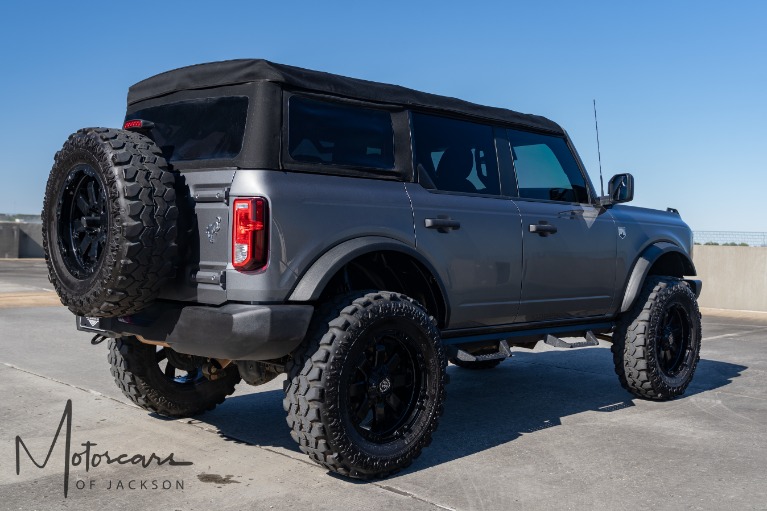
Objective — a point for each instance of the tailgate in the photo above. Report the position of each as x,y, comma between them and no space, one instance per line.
204,237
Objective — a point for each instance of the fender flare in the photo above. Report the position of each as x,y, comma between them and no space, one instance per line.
313,281
642,267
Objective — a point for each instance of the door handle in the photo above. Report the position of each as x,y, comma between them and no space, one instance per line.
442,224
543,228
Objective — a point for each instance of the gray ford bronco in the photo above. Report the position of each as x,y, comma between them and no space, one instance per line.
252,219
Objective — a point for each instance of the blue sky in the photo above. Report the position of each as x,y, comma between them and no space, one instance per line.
680,86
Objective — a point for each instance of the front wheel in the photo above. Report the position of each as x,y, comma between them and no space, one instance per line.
364,394
656,347
164,381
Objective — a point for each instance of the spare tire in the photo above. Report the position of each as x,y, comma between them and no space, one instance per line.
109,222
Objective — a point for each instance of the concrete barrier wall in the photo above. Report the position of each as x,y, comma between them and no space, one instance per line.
31,240
9,239
19,239
733,277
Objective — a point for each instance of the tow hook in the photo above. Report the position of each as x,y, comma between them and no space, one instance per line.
213,369
98,339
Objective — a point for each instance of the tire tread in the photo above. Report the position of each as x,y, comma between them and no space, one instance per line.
632,341
140,188
304,399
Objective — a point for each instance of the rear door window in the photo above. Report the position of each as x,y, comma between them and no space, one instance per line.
546,169
198,129
332,133
455,155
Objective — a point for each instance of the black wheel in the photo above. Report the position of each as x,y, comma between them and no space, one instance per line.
164,381
365,393
109,222
656,346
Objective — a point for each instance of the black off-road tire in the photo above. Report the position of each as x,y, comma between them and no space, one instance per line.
656,346
322,399
109,222
137,370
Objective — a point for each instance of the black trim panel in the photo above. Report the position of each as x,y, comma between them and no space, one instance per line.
233,331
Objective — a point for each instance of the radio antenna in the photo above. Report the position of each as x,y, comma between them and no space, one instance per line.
599,152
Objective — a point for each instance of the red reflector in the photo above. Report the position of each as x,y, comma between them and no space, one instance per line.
132,124
249,241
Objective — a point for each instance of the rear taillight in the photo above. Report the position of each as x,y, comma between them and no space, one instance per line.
249,235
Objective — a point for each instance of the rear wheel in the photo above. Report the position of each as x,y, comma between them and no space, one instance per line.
164,381
656,346
364,394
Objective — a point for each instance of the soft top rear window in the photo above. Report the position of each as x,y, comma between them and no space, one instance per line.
198,129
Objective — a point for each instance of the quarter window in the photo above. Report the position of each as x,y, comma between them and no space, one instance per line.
336,134
545,168
455,155
199,129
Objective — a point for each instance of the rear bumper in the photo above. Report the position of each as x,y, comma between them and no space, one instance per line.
231,331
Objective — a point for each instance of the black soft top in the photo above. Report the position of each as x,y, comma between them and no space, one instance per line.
231,72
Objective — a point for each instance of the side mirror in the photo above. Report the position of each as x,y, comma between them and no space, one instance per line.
619,189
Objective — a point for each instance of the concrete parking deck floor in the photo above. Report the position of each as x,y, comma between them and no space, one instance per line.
548,429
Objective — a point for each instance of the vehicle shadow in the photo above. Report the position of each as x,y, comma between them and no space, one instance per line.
529,393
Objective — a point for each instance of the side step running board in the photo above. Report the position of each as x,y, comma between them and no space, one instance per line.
591,340
503,353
